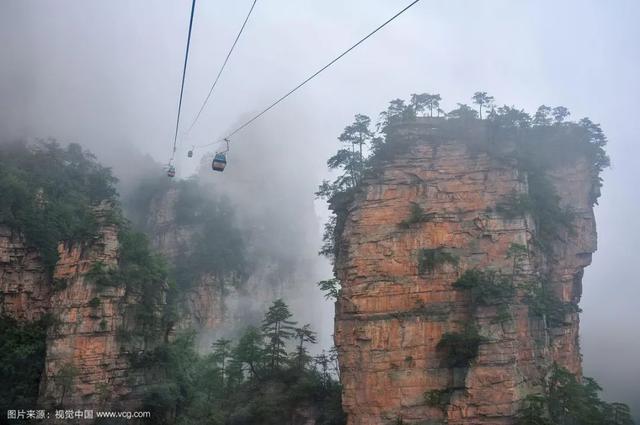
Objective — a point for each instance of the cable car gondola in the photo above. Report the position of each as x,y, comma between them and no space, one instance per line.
219,162
171,172
220,159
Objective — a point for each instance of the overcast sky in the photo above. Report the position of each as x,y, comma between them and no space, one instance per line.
107,74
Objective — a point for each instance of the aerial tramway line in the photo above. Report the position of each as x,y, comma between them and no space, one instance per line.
219,161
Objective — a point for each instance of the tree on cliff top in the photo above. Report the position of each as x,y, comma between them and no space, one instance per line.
48,193
463,112
419,101
351,159
559,114
422,101
535,143
481,98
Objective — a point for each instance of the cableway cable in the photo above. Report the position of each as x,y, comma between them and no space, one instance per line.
184,72
290,92
224,64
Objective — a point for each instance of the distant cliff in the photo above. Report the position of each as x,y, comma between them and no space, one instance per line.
81,295
460,255
96,314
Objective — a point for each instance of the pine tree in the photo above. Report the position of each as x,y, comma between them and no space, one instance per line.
249,351
355,136
560,113
277,330
542,116
481,99
304,335
433,102
222,357
419,101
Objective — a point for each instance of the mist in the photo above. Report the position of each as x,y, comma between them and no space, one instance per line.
107,75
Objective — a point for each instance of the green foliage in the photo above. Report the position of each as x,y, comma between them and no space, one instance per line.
249,353
48,193
460,348
536,144
218,249
179,362
303,335
517,252
59,284
277,328
217,246
65,379
618,414
397,113
542,143
487,287
570,401
235,383
543,203
438,398
101,275
22,355
543,303
145,274
338,202
351,159
416,215
139,203
429,259
421,102
463,113
533,411
331,288
94,302
481,99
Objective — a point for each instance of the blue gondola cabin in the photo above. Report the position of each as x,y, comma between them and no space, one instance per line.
219,162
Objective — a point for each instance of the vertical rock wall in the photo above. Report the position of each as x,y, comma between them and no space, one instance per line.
390,317
24,282
86,364
202,306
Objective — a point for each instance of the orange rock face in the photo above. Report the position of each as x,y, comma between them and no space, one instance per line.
390,317
84,337
24,282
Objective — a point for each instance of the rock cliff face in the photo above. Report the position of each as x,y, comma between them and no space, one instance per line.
214,305
86,364
201,306
390,316
24,284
